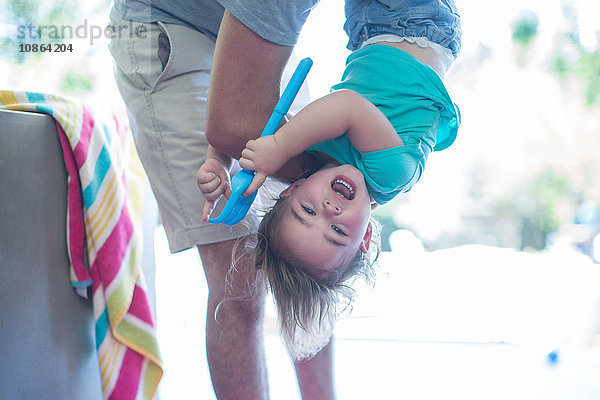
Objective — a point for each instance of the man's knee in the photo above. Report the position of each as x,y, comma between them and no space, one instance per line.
241,311
233,292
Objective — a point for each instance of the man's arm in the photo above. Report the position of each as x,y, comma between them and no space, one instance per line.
244,89
244,85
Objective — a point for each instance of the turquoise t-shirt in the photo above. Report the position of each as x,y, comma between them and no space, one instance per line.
414,99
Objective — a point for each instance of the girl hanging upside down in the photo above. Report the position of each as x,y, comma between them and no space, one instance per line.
371,137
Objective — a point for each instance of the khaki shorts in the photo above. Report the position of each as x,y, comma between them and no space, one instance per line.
166,103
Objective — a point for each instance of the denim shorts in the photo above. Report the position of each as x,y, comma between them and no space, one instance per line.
437,20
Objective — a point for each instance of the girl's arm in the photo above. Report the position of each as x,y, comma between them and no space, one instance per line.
343,111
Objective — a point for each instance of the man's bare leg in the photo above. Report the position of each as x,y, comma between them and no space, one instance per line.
234,342
315,376
245,66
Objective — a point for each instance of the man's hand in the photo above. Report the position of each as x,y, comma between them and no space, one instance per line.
213,181
264,156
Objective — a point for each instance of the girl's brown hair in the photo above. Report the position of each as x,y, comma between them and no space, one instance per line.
307,306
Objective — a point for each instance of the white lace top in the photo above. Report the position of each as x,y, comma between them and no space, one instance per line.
443,53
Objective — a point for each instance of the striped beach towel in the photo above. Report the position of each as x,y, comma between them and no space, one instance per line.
105,198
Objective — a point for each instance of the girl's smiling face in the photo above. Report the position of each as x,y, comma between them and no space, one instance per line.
327,220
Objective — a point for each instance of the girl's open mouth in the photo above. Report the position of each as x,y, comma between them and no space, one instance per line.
344,187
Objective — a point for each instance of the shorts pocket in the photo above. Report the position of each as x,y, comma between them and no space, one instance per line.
149,55
164,49
143,54
164,53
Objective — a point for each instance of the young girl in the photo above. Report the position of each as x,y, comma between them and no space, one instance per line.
372,134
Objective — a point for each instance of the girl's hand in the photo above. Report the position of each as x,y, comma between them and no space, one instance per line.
264,156
214,181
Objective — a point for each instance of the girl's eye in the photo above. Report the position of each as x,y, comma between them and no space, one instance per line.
308,210
337,230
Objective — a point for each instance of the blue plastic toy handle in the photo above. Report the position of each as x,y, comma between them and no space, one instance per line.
288,96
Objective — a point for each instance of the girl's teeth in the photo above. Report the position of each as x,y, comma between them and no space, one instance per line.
350,188
343,189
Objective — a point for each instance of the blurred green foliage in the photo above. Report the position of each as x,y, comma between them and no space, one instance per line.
74,82
525,28
588,68
23,18
585,67
23,9
583,63
33,22
385,216
535,207
524,31
561,66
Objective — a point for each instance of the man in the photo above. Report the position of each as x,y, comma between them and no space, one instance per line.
163,67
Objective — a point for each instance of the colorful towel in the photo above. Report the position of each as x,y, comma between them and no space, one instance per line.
105,198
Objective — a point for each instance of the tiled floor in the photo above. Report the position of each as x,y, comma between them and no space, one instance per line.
437,326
